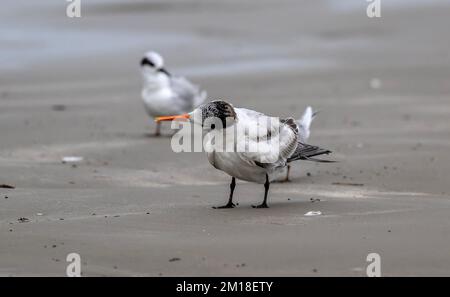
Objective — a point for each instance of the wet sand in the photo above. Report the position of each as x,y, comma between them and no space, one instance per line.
72,88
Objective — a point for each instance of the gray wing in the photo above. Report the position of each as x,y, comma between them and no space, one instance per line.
189,95
291,135
282,149
250,113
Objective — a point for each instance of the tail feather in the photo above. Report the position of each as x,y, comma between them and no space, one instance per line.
304,123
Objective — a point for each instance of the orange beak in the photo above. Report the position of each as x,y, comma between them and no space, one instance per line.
182,117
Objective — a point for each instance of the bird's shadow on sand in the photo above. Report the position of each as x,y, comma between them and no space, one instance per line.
143,136
274,207
153,135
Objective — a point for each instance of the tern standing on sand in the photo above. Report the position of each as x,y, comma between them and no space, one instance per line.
164,94
261,166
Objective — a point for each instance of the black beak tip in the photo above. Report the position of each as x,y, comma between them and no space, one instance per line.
163,70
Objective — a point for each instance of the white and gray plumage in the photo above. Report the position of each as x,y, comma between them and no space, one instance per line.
263,165
164,94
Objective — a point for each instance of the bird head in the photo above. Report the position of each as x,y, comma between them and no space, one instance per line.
213,115
153,63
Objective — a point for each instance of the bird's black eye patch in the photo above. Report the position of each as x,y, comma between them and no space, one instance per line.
146,61
213,126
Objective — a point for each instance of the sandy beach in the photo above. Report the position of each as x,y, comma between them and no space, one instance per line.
132,207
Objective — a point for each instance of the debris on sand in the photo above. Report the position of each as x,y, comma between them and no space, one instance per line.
174,259
313,213
348,184
375,83
5,186
23,220
72,159
314,199
59,107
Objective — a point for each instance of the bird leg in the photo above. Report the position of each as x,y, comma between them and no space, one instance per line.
287,174
230,203
266,190
158,129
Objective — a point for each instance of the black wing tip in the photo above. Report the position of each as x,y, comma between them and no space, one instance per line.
319,160
308,152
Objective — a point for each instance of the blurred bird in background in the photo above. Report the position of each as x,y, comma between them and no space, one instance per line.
164,94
